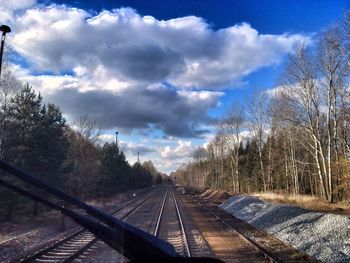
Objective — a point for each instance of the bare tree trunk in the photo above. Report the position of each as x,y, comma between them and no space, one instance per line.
329,142
269,181
262,167
294,168
319,172
237,170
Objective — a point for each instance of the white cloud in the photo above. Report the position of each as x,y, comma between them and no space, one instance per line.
183,149
8,9
106,138
114,104
242,50
173,156
135,108
130,47
166,154
18,4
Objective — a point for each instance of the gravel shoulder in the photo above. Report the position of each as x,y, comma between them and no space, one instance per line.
324,236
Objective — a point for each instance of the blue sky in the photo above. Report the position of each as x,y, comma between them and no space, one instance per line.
159,72
267,16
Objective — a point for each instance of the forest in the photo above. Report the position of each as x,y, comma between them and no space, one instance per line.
293,139
36,138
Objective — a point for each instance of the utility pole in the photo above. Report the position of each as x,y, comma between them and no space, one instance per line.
5,29
138,157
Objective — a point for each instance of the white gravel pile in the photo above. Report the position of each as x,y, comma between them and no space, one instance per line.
324,236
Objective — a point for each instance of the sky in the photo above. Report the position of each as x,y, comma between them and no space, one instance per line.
161,73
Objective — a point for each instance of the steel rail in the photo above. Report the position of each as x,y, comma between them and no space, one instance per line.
269,255
156,230
248,240
187,247
92,242
81,231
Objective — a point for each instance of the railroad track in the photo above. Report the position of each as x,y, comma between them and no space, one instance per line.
272,249
175,226
170,226
168,221
160,217
80,243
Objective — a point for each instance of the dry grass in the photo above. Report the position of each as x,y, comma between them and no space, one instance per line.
308,202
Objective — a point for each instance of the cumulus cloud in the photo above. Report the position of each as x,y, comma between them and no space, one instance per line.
8,9
185,51
129,107
175,154
183,149
18,4
175,113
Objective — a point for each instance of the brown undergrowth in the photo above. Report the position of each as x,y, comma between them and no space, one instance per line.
309,202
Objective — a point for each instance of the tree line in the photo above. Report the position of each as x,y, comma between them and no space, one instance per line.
36,138
297,135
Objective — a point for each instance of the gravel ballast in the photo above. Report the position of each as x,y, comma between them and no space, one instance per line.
324,236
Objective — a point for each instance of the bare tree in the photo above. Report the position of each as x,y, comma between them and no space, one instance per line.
304,98
200,155
288,130
344,28
231,127
83,156
216,154
257,109
88,129
9,86
333,68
